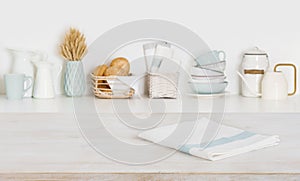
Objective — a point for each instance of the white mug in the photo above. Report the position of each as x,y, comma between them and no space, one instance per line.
275,86
16,85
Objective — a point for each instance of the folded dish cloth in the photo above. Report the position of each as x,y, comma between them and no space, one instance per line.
207,139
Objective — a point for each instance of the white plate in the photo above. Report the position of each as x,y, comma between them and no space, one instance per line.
209,95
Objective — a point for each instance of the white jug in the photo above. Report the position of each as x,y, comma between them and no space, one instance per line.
21,63
275,86
44,86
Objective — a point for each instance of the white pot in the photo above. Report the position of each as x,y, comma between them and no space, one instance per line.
255,63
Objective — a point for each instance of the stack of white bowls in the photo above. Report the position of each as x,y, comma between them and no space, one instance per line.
208,78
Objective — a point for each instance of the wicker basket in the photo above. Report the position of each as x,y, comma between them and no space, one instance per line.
163,85
110,87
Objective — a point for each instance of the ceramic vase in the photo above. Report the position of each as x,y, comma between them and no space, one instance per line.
74,83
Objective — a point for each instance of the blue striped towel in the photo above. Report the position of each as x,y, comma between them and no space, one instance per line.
207,139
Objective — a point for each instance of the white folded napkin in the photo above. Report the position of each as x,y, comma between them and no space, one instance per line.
202,142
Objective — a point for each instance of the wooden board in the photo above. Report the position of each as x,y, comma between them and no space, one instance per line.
50,146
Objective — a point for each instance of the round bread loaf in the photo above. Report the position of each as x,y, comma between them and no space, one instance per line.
119,61
99,71
114,70
119,66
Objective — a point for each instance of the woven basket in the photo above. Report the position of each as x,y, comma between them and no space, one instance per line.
163,85
110,87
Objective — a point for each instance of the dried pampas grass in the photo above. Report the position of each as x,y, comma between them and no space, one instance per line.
74,47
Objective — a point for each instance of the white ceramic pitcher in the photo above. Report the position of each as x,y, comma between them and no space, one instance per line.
44,86
21,63
275,86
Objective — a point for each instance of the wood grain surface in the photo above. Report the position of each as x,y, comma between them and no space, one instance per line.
48,146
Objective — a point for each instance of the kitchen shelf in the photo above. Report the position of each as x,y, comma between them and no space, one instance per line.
232,104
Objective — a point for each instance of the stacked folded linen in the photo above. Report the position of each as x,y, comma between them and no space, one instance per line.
227,142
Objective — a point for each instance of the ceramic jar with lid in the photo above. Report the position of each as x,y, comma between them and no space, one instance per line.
254,64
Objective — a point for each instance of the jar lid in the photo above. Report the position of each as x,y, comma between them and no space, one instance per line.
256,51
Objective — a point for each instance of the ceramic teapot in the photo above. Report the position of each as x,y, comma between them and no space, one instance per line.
274,84
254,64
46,72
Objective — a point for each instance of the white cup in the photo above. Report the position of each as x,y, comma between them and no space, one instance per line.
210,57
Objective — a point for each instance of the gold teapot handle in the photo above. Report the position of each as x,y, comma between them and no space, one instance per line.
295,74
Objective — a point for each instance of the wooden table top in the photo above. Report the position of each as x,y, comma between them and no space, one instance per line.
42,145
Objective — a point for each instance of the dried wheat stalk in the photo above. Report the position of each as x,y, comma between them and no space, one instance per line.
74,47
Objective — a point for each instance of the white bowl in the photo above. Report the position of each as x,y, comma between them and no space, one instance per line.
219,66
208,88
208,77
204,72
208,80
